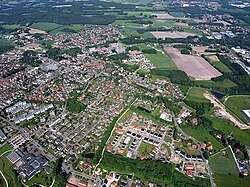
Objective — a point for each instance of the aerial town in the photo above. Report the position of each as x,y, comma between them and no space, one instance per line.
143,93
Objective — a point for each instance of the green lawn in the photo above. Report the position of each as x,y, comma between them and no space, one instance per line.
226,172
144,149
238,103
5,148
177,14
41,178
202,134
45,26
196,94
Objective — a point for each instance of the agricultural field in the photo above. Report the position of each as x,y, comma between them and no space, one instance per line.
218,64
213,85
161,60
226,172
169,34
196,67
45,26
12,26
238,103
177,14
196,94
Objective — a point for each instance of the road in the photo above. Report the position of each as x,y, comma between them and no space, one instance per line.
199,148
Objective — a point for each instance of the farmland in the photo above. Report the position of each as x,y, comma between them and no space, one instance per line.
168,34
214,61
45,26
195,67
161,60
238,103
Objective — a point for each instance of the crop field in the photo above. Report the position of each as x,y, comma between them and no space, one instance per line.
196,67
238,103
214,61
226,172
45,26
177,14
163,16
161,60
169,34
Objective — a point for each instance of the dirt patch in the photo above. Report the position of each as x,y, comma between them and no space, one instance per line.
169,34
194,66
163,16
36,31
160,20
200,49
222,112
182,24
214,58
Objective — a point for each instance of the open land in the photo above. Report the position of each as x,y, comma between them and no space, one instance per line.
194,66
222,112
225,170
169,34
238,103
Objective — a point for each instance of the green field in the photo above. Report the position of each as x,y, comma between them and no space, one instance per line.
219,65
5,43
226,172
12,26
160,59
177,14
196,94
238,103
202,134
45,26
228,128
41,178
144,149
213,85
5,148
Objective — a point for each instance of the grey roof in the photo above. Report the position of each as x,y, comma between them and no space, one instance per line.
2,135
14,157
31,165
